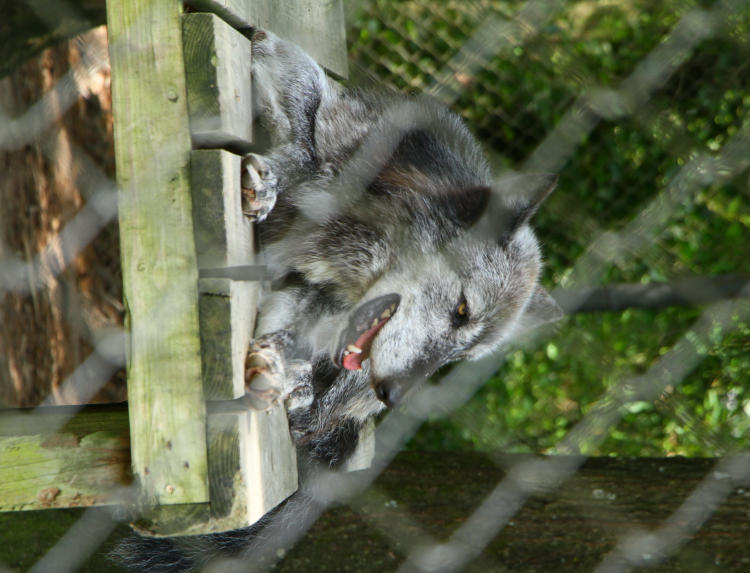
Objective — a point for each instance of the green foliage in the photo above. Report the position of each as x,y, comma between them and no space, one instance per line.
513,97
539,395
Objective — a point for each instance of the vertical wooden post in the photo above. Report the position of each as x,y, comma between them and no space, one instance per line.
160,273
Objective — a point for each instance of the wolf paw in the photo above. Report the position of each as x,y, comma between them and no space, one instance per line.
258,187
264,375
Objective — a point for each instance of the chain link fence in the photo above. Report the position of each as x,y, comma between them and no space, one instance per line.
642,112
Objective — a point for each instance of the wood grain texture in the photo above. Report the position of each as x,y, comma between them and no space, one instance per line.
317,26
252,465
67,456
251,459
217,67
252,468
60,457
227,318
159,265
223,235
271,460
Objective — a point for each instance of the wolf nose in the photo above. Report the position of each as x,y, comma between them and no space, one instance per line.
386,393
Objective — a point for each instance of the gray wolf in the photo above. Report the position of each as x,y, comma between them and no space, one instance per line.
390,249
391,252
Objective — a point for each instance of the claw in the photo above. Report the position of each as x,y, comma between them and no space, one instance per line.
264,375
258,187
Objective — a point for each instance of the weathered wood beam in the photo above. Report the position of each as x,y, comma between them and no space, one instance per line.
159,265
63,457
252,461
224,238
217,62
252,467
223,235
252,464
70,456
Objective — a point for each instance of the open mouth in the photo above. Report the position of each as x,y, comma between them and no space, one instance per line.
356,340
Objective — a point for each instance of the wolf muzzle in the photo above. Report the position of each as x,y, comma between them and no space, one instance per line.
365,322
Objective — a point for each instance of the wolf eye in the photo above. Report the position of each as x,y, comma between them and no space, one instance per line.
460,312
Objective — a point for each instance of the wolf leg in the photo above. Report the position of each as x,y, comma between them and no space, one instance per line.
288,88
270,378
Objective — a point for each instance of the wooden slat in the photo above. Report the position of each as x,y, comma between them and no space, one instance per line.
252,465
227,316
159,267
252,468
316,26
271,460
224,237
59,457
67,456
252,462
217,64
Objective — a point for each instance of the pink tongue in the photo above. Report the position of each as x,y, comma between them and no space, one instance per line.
353,361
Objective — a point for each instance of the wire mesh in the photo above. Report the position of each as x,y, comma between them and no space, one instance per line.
642,111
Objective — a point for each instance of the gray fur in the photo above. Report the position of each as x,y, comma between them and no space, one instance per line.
362,198
371,194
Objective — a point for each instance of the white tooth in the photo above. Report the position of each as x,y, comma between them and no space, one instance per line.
375,321
347,352
355,349
386,314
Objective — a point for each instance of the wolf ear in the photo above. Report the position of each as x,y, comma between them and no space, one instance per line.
468,205
540,309
533,188
526,193
514,201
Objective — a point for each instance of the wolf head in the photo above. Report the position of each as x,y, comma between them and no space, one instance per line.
457,297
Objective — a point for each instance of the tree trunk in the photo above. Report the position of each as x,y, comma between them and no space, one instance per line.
29,27
55,154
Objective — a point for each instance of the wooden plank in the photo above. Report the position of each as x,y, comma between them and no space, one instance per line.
159,266
252,468
252,462
60,457
217,67
223,235
252,465
318,27
227,318
270,460
67,456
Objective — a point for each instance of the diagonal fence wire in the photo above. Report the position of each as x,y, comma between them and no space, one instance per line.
541,476
641,548
697,174
648,548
